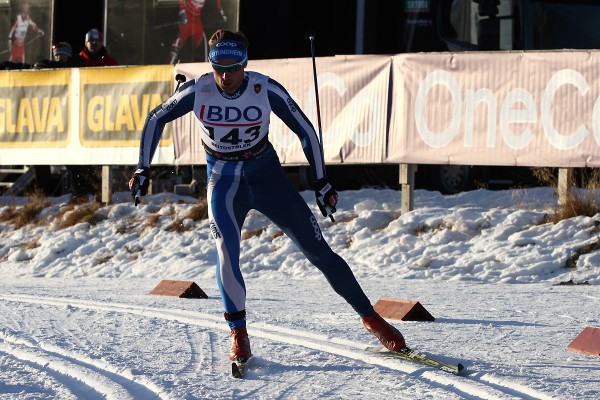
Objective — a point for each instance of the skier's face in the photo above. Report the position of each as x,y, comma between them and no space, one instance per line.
229,75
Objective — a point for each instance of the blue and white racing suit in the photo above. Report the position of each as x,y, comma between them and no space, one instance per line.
244,173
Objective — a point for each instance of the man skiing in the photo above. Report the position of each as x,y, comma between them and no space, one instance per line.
233,107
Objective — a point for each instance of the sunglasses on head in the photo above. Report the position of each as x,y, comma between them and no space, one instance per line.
228,68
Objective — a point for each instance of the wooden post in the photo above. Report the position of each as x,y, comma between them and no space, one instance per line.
565,182
407,185
106,184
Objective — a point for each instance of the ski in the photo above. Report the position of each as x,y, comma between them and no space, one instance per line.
418,357
238,367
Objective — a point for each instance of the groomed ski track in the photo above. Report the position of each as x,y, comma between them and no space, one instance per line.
91,378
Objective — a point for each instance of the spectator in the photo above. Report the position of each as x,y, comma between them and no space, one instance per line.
94,54
62,57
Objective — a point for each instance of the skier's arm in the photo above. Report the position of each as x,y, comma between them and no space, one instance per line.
290,113
176,106
11,33
179,104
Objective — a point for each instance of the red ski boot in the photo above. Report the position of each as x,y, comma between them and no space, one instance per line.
389,336
240,344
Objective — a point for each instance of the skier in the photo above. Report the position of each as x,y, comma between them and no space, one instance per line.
18,32
233,107
190,26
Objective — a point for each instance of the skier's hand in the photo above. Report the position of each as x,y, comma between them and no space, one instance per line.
182,18
327,197
41,32
138,184
223,16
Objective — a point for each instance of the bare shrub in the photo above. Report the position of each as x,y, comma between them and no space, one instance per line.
546,176
177,226
27,214
74,214
198,211
252,233
32,244
151,222
576,202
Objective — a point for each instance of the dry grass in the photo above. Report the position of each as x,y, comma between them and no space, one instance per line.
199,211
102,259
576,202
151,222
196,212
26,214
252,233
546,176
32,244
74,214
177,226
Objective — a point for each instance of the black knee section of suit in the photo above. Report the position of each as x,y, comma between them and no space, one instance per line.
235,315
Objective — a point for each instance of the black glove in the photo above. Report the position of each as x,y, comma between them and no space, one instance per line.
327,197
138,184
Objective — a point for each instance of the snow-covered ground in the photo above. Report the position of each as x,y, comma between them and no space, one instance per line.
77,320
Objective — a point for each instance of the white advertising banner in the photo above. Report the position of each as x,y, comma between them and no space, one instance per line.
499,108
353,98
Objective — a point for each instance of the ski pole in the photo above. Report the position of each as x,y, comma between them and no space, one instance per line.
311,36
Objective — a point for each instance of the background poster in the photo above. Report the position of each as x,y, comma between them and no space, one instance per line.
149,32
28,25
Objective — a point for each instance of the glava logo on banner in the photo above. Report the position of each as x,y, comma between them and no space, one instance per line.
32,114
121,113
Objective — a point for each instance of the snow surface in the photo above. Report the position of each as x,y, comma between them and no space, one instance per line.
77,320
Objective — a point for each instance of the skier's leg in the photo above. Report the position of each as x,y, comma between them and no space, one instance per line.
281,202
286,208
227,210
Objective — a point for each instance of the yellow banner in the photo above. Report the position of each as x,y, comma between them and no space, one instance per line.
34,109
115,102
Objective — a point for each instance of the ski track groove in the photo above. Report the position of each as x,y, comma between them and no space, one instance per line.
107,381
100,384
470,384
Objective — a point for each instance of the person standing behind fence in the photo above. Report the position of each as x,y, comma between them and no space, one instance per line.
94,54
62,57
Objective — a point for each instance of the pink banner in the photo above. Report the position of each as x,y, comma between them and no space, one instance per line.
529,109
353,97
